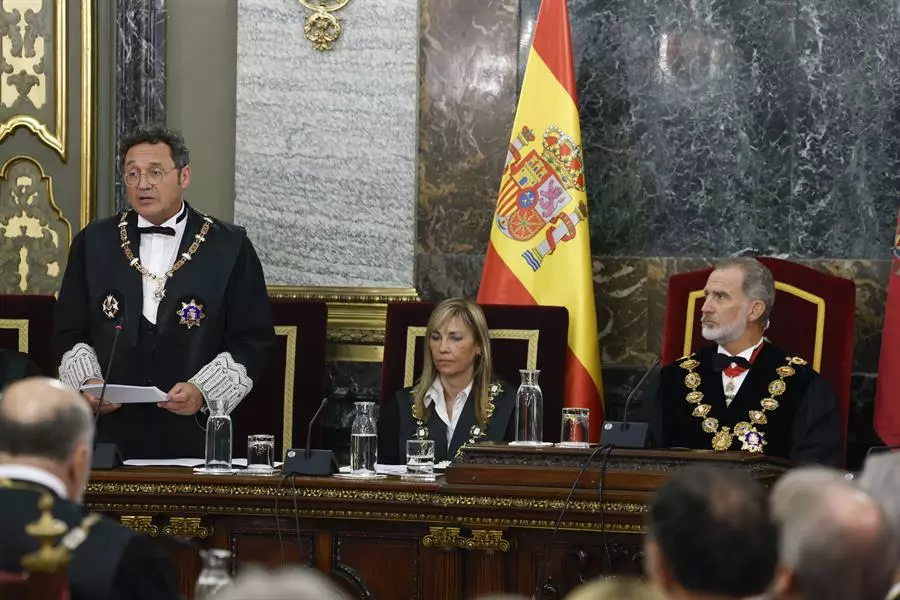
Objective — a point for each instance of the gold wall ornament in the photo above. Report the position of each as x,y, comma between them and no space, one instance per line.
143,525
34,234
322,28
33,70
489,540
445,538
187,527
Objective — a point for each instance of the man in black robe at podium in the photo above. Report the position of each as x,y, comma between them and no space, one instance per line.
189,295
745,393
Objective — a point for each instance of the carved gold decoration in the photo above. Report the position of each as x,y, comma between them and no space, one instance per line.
490,540
143,525
322,28
187,527
49,558
21,325
87,110
34,234
446,538
356,317
566,524
33,70
529,335
290,358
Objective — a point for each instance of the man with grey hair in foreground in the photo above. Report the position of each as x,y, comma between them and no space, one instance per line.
742,392
287,584
834,539
46,436
881,479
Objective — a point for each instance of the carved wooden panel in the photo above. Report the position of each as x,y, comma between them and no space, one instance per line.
34,234
265,548
367,565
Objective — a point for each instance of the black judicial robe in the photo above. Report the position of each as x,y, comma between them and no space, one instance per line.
224,276
113,562
396,425
806,427
15,366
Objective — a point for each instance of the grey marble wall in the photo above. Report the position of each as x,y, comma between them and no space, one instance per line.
140,71
326,144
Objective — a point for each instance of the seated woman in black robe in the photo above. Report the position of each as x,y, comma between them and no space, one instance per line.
457,400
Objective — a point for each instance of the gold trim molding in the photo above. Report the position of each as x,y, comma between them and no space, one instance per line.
22,326
288,511
87,110
290,360
53,139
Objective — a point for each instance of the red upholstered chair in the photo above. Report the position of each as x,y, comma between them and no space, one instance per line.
521,337
37,586
26,323
293,383
813,317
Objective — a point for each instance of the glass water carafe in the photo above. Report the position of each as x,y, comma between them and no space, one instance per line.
218,438
215,575
529,409
364,441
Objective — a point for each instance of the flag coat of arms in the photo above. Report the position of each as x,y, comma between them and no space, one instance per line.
539,250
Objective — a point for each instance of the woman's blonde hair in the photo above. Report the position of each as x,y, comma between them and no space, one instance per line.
470,315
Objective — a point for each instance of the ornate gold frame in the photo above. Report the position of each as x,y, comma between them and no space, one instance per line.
530,335
290,359
356,317
818,301
87,109
22,326
55,140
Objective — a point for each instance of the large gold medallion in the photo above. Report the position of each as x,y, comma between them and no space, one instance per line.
722,440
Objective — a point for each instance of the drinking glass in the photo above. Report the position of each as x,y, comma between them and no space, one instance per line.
574,432
420,460
261,453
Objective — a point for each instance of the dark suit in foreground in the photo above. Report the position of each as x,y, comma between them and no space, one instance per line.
112,563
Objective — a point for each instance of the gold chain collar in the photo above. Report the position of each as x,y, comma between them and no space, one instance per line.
160,280
476,432
746,432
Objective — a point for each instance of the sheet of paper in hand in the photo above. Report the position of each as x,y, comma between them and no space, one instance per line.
126,394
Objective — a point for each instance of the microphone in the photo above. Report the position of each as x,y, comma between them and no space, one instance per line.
106,454
309,461
626,434
311,421
112,355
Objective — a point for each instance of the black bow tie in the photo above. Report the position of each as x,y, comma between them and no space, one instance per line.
722,361
156,229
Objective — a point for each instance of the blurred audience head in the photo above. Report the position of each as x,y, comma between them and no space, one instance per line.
881,479
287,584
615,589
46,425
710,535
834,539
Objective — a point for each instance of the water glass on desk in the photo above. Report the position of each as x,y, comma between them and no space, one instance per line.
261,453
419,460
575,430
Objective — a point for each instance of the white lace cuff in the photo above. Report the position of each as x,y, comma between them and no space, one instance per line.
78,365
223,380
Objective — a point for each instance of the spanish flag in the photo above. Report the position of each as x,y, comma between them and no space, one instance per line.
539,251
887,394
